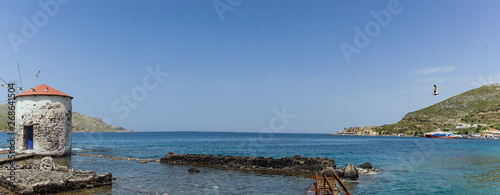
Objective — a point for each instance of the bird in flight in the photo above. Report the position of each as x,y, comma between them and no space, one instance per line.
435,90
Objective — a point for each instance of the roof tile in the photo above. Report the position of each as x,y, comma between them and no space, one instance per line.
43,89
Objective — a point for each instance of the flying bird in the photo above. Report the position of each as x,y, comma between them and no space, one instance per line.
435,90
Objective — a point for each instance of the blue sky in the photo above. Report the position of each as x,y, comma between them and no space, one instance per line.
251,66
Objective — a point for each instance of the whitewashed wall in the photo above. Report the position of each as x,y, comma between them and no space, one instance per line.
51,120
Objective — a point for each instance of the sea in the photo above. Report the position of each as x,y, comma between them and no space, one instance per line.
406,165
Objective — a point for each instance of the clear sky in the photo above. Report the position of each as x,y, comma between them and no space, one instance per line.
251,65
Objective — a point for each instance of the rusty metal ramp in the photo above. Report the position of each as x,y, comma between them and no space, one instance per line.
327,185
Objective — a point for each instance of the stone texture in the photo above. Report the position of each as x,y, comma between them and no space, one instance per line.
329,172
50,117
48,177
292,165
366,165
367,168
351,172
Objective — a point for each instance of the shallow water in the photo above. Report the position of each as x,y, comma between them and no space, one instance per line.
407,165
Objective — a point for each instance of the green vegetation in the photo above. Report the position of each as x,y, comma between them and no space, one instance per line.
81,123
3,116
477,106
84,123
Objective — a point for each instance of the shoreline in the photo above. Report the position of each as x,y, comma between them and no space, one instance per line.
407,136
1,131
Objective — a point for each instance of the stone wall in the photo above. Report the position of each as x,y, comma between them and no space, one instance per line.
50,117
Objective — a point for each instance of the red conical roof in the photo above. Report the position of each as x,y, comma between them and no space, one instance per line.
43,89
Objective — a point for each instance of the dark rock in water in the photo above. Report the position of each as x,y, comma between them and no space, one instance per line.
350,172
329,172
366,165
287,165
339,172
193,170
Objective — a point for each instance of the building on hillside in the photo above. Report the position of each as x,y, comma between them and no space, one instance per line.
463,126
367,132
496,133
43,122
490,133
349,131
468,126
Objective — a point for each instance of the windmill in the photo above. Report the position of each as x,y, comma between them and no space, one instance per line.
6,85
36,77
20,79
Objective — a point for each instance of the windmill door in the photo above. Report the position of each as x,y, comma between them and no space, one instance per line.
29,137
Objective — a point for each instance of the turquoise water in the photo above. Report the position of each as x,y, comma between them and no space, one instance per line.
407,165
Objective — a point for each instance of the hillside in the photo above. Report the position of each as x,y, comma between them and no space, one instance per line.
477,106
81,123
84,123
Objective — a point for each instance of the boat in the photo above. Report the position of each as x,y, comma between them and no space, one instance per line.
440,134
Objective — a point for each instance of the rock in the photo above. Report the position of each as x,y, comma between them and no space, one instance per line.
49,177
329,172
350,172
292,165
365,165
47,164
193,170
143,161
339,172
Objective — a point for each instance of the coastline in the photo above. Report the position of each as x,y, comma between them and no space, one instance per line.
78,131
462,136
389,154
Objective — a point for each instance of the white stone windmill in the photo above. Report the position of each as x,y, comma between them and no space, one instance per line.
43,122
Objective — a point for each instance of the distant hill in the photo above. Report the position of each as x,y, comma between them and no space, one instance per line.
3,117
84,123
477,106
81,123
481,105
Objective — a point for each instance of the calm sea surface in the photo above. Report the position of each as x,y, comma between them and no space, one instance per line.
407,165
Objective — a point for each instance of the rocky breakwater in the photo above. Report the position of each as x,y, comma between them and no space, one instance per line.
286,165
49,177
